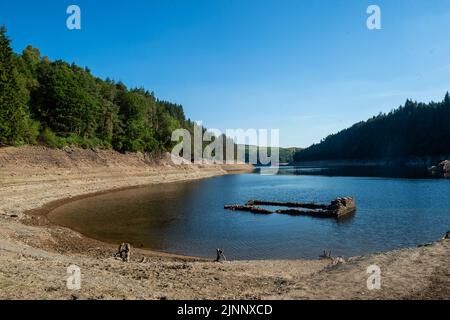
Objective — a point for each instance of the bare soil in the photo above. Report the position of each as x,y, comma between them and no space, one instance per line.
34,254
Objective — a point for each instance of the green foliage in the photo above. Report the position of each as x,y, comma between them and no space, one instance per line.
30,132
48,137
63,100
72,107
286,155
415,129
15,125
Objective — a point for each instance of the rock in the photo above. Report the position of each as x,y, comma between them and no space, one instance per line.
445,166
442,169
124,252
447,235
425,245
338,260
342,206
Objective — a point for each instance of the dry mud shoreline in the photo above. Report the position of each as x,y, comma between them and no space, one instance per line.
34,254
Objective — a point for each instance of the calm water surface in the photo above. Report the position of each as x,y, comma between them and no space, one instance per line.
188,218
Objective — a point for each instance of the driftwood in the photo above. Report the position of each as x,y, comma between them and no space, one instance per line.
326,254
334,261
338,208
220,256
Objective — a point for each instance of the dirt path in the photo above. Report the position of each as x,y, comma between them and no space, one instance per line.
34,255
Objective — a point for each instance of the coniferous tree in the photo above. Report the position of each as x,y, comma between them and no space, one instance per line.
414,129
15,125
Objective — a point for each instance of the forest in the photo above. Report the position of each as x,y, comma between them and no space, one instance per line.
55,103
58,104
286,155
414,129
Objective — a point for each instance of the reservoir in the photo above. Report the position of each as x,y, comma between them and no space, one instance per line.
188,217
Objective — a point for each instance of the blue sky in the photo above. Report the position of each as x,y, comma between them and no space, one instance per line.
307,67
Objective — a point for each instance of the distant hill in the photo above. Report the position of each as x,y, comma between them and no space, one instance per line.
415,129
286,154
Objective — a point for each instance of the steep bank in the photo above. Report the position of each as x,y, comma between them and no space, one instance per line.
34,254
33,176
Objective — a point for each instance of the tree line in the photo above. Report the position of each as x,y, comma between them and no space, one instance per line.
57,104
414,129
285,155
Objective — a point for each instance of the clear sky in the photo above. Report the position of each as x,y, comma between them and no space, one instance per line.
307,67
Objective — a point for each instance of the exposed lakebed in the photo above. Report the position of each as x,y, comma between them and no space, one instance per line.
189,218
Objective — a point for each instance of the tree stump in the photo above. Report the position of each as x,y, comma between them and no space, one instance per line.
220,256
326,254
124,252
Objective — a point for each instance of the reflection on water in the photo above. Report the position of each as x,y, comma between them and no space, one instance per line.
189,218
356,171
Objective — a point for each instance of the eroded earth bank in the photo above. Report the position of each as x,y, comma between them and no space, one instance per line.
34,254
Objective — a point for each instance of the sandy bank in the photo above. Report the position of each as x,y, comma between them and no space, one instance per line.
34,255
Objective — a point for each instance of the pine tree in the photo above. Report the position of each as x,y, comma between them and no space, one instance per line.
14,120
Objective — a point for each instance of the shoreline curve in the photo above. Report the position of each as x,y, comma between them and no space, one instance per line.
34,254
